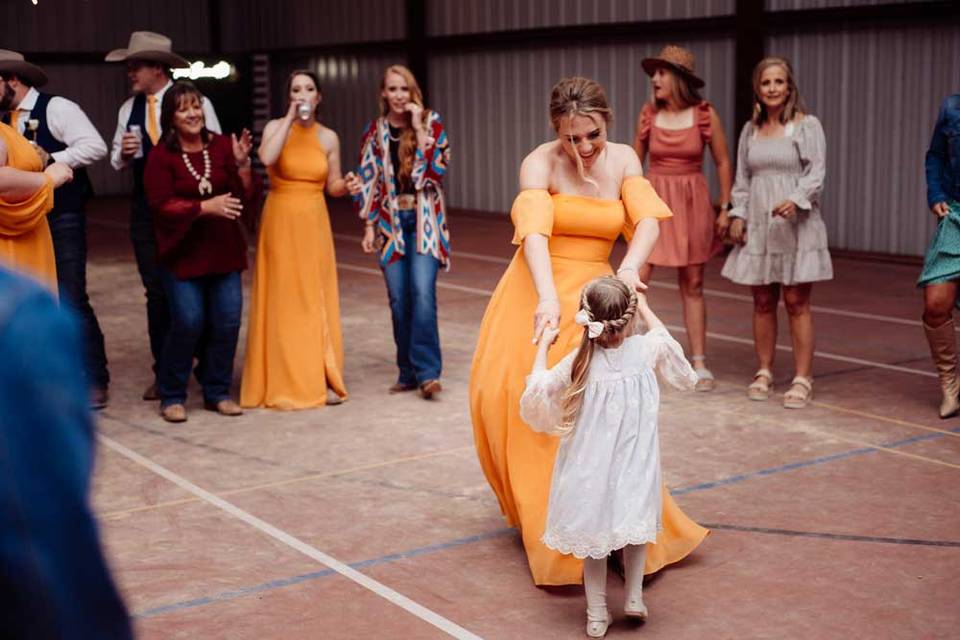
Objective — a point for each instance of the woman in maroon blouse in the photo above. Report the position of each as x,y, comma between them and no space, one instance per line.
196,183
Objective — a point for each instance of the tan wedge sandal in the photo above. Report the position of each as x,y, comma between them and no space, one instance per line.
759,389
799,394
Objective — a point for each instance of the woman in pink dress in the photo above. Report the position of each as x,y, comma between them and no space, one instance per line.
674,128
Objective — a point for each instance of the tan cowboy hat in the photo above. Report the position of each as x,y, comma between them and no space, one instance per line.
13,62
146,45
677,58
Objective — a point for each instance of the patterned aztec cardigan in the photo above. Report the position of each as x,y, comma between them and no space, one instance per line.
377,202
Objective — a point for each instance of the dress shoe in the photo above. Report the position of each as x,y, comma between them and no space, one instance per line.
174,413
597,625
634,608
98,398
429,388
151,393
226,407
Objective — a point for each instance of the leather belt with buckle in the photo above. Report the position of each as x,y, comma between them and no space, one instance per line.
406,201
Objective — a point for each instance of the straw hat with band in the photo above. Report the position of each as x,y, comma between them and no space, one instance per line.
676,58
148,46
13,63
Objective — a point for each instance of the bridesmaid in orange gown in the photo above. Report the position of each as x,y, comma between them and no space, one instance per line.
26,196
294,357
578,194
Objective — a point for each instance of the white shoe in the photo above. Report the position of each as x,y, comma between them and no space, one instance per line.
634,608
597,626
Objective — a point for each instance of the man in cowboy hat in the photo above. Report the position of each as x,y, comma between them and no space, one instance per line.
149,59
62,132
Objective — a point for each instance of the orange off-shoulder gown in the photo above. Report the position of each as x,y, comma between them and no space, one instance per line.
25,242
517,461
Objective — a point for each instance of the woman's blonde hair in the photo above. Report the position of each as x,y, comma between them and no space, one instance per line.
794,104
579,96
408,137
608,300
682,92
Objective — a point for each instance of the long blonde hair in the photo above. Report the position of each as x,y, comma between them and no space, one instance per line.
579,96
793,105
608,300
408,137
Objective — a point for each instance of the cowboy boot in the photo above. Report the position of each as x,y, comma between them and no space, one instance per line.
943,348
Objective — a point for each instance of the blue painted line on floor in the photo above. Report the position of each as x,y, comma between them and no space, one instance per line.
808,463
314,575
413,553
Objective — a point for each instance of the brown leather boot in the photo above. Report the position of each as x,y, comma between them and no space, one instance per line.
943,348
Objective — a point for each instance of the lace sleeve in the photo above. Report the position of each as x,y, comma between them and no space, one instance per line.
541,404
669,361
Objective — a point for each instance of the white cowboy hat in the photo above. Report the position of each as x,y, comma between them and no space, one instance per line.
146,45
13,62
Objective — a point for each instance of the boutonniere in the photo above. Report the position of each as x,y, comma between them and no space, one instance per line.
32,125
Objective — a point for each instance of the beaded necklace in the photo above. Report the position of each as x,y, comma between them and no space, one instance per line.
203,182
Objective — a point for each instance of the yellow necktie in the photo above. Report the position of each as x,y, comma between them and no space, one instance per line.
152,129
14,116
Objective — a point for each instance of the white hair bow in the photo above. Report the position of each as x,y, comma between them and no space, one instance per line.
594,328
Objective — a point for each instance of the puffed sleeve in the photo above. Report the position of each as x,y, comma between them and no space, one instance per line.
541,405
532,212
704,120
812,147
646,118
641,201
740,195
668,359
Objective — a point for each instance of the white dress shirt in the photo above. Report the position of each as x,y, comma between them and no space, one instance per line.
209,115
68,124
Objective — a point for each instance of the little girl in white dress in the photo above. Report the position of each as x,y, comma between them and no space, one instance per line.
603,399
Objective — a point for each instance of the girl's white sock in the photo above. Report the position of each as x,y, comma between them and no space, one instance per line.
595,588
634,559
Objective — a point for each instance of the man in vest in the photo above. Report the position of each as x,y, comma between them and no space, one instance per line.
149,59
62,132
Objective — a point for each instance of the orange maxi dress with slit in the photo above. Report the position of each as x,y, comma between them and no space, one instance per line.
294,342
517,461
26,245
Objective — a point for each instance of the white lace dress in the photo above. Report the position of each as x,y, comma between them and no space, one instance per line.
605,492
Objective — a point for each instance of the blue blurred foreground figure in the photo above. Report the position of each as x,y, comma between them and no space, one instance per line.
54,582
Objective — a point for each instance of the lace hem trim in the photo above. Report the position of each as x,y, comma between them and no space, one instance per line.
598,547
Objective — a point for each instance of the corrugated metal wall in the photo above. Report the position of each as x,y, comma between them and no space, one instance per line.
877,93
255,25
495,106
785,5
449,17
101,25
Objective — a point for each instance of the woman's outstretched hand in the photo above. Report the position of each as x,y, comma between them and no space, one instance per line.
546,315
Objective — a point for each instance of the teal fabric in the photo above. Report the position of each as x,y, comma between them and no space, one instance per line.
942,263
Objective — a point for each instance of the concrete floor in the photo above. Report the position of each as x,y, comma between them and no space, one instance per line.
373,520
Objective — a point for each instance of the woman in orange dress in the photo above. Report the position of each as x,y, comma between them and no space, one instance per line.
578,194
674,128
294,357
26,196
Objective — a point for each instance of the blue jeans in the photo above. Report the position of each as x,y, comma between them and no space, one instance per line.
69,231
54,581
204,311
145,250
412,289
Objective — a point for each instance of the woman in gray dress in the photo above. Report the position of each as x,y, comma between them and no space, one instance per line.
780,236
